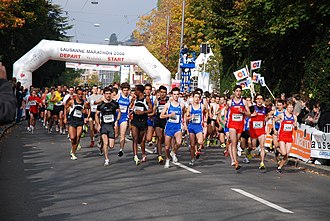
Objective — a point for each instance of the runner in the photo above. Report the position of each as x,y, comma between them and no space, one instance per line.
91,100
142,107
73,115
34,102
160,123
237,109
50,110
285,134
174,111
257,129
124,102
276,126
58,109
108,109
195,115
150,131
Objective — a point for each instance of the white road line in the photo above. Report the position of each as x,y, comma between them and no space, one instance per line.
267,203
179,164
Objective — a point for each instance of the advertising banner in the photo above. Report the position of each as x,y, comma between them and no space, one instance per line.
320,145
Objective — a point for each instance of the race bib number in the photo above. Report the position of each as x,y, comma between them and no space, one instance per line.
237,117
77,113
108,118
175,119
123,108
93,108
160,108
136,108
196,119
59,103
257,124
287,127
32,103
51,105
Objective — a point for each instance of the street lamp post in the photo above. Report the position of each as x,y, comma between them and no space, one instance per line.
181,40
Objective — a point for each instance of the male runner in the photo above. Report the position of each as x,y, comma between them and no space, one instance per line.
108,109
237,109
73,115
91,100
160,123
34,102
174,111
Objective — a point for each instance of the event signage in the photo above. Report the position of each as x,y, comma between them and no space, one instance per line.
245,84
320,147
241,74
255,64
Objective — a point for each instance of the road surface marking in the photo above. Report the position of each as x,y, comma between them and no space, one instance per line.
267,203
179,164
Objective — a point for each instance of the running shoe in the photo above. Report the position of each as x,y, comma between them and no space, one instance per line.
155,150
120,153
246,160
73,157
101,151
106,163
197,154
279,170
223,145
174,158
56,128
262,166
136,160
239,151
150,144
192,163
237,166
144,159
208,143
160,160
78,147
232,163
167,164
92,144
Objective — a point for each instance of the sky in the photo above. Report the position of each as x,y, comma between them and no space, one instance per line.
113,16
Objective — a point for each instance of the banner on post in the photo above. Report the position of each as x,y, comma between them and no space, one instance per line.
262,81
255,77
246,84
320,147
255,64
241,74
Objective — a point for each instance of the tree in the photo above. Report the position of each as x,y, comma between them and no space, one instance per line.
113,39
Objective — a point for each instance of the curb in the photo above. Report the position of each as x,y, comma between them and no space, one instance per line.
321,169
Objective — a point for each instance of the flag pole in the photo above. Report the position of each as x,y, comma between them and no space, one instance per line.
252,85
270,91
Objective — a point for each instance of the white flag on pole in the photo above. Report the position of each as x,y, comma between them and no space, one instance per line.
255,77
246,84
255,64
241,74
262,81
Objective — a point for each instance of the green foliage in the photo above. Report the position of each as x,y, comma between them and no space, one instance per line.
42,21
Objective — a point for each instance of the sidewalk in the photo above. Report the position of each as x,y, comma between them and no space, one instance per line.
5,127
321,169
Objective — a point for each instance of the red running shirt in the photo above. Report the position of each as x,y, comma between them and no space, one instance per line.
235,117
34,103
286,129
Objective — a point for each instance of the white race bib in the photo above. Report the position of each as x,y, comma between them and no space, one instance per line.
32,103
175,119
136,108
59,103
51,105
196,119
93,108
237,117
287,127
160,108
123,108
77,113
108,118
257,124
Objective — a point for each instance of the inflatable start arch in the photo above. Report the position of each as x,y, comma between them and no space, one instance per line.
89,53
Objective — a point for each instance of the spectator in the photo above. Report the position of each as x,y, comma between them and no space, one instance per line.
297,104
304,111
313,118
19,98
324,120
7,98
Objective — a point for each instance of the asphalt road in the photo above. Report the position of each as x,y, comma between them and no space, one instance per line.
38,181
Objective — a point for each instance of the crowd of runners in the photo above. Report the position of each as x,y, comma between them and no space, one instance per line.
165,119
